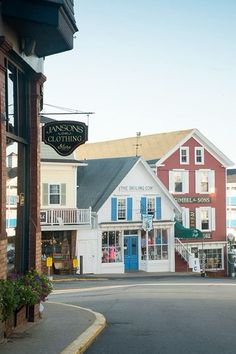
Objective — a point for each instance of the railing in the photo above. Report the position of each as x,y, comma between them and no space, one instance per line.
67,216
184,252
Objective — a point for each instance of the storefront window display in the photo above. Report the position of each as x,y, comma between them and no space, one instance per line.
156,241
111,246
56,244
211,257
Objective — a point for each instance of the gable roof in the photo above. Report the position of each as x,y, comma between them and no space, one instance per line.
97,181
48,154
151,147
99,178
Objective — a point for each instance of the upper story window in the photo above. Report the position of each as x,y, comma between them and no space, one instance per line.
16,112
178,181
121,208
205,218
151,206
54,194
199,155
205,181
184,155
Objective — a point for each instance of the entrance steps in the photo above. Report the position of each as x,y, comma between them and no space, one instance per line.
180,264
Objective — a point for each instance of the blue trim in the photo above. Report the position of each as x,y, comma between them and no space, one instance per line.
113,209
129,208
143,206
158,208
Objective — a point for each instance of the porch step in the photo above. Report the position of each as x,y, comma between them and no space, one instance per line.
180,264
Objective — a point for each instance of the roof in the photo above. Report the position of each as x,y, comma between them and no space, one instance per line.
48,154
99,178
151,147
231,175
97,181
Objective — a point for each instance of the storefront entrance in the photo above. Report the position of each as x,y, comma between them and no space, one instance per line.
131,253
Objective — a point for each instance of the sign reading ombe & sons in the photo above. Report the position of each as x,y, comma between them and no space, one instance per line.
64,136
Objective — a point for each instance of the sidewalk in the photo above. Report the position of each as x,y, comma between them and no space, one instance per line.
64,329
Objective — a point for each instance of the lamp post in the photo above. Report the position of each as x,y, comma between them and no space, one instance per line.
231,254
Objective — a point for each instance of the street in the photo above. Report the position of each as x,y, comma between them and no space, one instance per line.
158,315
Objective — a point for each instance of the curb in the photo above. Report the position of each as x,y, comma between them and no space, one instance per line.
81,343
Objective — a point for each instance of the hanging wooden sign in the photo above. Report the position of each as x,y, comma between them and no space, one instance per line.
64,136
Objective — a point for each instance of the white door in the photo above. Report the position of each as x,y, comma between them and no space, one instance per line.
87,249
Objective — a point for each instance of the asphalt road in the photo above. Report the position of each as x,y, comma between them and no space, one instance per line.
183,315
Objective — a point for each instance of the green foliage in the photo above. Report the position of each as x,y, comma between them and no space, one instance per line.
28,289
7,299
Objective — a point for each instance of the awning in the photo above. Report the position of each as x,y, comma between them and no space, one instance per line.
184,232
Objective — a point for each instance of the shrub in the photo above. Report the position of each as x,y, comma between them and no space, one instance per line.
28,289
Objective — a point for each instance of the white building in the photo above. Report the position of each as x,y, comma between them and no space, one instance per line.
123,193
60,217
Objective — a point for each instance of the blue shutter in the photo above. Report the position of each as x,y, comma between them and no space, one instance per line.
129,208
158,208
143,209
113,209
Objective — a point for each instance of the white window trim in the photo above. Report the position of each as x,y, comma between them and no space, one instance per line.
195,155
185,217
211,181
184,148
185,181
49,194
117,216
211,213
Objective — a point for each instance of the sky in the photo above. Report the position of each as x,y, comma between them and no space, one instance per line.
150,66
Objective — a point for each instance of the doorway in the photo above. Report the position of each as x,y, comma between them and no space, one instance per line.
131,253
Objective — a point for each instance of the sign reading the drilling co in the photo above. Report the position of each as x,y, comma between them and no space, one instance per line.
64,136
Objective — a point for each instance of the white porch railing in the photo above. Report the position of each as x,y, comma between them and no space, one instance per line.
184,252
67,216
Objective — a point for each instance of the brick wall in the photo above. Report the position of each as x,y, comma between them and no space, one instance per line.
34,122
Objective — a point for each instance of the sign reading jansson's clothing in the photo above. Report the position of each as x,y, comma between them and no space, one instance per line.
64,136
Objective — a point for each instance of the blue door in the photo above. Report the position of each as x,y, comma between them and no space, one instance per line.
131,253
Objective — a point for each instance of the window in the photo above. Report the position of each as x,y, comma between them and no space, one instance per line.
184,155
111,247
150,206
157,244
121,208
54,194
211,258
199,155
178,181
15,101
205,218
205,181
17,136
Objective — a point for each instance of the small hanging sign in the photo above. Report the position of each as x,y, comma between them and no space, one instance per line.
147,222
64,136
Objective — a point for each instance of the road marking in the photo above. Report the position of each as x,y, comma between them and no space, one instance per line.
64,291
